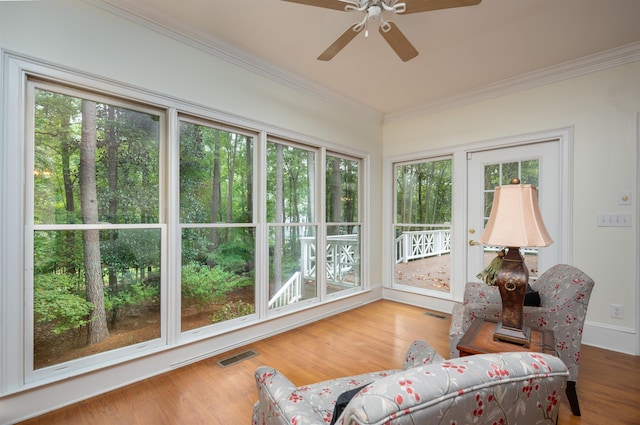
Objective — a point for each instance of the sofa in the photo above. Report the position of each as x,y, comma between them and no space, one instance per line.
513,388
564,292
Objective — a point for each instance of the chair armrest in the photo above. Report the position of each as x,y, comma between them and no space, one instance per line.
419,354
280,401
481,293
488,388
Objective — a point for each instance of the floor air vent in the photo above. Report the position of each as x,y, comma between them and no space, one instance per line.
237,358
437,316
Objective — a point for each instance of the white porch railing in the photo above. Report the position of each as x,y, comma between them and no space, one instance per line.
290,292
343,257
421,244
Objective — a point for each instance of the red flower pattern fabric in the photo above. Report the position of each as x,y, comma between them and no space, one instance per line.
564,296
487,389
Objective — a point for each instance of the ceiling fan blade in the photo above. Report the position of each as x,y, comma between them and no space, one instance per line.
398,42
415,6
342,41
328,4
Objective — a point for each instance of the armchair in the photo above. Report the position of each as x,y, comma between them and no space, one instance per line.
564,296
484,389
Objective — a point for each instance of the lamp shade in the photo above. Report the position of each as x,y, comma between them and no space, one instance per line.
515,219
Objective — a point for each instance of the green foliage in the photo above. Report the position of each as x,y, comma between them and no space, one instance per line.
129,295
236,256
423,192
231,310
56,302
203,285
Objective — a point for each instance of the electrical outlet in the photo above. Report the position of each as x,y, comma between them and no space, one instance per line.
617,311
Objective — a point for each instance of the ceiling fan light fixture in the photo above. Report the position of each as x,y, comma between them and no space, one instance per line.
373,10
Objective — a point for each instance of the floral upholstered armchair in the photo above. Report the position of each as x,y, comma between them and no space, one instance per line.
519,388
564,296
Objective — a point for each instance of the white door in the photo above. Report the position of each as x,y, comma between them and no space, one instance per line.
536,163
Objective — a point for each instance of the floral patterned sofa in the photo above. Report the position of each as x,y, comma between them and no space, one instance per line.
564,296
514,388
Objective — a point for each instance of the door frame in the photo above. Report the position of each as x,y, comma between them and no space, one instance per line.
459,219
564,137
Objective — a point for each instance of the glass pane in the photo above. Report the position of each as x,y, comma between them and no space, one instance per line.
510,171
342,180
491,176
423,192
488,202
529,174
216,175
106,153
94,291
292,264
343,258
217,275
423,246
291,183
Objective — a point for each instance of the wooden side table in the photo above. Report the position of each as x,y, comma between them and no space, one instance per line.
479,340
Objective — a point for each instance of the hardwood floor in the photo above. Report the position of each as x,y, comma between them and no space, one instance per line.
369,338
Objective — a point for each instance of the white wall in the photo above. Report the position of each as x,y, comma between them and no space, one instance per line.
602,108
80,37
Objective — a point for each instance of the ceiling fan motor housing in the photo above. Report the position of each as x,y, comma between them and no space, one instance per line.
373,13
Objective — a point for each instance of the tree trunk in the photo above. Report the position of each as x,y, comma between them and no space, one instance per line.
278,242
215,189
112,171
98,329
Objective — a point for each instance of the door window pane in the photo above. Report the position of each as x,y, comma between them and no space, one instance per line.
528,173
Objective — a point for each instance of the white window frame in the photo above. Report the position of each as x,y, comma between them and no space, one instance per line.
14,229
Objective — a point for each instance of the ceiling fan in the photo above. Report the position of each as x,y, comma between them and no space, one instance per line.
374,10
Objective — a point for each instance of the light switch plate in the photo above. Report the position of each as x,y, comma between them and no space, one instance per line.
614,220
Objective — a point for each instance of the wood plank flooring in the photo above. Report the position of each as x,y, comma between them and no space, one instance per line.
369,338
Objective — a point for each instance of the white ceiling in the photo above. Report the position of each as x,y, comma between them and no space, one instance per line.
461,50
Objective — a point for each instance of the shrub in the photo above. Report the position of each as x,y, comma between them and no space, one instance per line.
203,285
231,310
56,302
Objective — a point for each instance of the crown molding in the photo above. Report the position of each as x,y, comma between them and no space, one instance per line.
228,53
583,66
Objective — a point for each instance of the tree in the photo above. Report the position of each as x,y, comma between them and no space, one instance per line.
278,242
98,329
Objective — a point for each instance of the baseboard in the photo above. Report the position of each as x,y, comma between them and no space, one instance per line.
623,340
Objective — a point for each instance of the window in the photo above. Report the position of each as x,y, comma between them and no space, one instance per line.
95,213
216,220
148,226
423,224
343,227
498,174
291,214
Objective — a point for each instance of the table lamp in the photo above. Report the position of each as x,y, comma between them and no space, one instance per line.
515,221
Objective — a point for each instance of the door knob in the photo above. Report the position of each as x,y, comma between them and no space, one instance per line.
473,243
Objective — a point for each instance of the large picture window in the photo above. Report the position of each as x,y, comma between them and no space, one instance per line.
96,224
151,224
